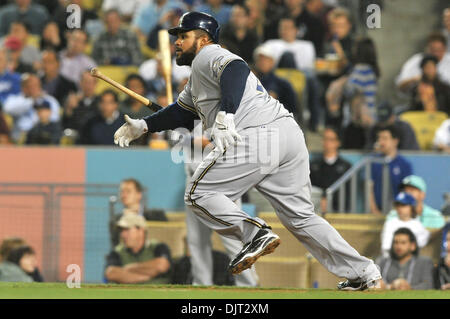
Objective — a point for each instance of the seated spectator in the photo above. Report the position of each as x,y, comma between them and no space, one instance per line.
137,259
131,197
25,257
169,20
277,87
441,139
4,128
446,29
428,216
117,45
82,105
304,55
404,269
51,38
411,72
130,106
216,8
34,15
20,107
13,50
53,82
9,81
442,270
405,208
28,55
73,60
147,16
430,93
100,129
399,167
327,169
182,269
385,117
237,37
127,9
44,132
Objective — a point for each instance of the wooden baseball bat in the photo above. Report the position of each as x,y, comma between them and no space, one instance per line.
153,106
166,62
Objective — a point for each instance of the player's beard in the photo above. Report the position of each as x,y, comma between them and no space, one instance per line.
187,57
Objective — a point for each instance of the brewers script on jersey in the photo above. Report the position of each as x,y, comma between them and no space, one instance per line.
223,177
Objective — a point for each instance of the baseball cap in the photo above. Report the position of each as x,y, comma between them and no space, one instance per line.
13,43
264,50
414,181
41,104
131,220
384,111
405,199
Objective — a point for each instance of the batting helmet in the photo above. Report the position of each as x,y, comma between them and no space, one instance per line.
197,20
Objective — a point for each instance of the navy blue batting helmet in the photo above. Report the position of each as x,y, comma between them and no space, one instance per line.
197,20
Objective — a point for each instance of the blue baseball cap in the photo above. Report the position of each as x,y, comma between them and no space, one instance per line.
405,199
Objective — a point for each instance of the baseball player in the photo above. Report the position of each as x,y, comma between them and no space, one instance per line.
257,144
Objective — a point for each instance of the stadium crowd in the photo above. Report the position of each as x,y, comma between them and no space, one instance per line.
306,53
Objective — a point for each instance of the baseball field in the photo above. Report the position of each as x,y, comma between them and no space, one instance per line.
101,291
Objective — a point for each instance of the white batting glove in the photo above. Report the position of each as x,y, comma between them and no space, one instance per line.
131,130
224,131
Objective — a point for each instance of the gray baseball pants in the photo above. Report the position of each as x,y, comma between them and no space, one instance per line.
274,159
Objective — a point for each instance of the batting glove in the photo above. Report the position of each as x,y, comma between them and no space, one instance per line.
224,131
131,130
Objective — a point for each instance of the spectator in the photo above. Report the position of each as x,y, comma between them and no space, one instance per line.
147,16
168,20
100,129
137,259
446,23
34,15
53,82
275,86
385,117
9,244
404,269
127,9
430,94
25,257
73,60
329,167
304,55
220,11
399,167
131,197
83,105
237,37
411,72
20,107
428,216
44,132
117,45
19,32
442,271
51,38
441,139
405,209
341,42
4,128
9,81
13,48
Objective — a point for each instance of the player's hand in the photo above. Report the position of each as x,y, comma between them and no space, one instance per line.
224,131
131,130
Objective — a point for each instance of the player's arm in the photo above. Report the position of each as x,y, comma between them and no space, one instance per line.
171,117
233,80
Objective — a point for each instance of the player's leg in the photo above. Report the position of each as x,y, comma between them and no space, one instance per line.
289,192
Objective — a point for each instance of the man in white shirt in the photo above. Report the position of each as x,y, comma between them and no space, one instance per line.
411,72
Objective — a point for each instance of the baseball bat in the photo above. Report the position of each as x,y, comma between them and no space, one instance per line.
166,62
153,106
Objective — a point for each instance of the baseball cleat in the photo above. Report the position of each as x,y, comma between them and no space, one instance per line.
374,282
265,242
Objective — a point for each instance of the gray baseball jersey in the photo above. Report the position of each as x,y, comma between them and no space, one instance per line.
201,94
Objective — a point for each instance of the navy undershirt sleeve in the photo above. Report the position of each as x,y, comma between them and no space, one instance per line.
232,85
169,118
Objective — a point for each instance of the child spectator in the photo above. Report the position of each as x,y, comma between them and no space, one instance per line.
404,205
44,132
